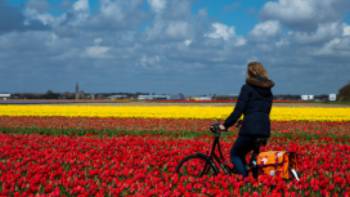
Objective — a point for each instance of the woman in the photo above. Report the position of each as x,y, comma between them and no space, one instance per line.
254,102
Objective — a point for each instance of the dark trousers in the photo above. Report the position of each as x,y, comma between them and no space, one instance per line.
240,149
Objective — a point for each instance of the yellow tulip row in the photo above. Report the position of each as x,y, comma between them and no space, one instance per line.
174,112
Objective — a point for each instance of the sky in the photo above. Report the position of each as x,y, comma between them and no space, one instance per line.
193,47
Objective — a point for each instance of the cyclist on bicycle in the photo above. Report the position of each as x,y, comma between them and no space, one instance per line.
254,102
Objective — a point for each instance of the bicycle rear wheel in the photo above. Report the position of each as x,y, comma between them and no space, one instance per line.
196,165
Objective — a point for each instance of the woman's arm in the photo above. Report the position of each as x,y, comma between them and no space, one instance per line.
239,108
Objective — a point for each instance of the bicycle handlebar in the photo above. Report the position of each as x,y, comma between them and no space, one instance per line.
214,128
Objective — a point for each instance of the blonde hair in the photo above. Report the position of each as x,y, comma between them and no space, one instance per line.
256,69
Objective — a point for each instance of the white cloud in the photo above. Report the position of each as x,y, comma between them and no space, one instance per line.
97,51
346,30
282,43
157,5
221,31
323,33
150,62
51,41
81,5
335,47
169,30
44,18
79,13
156,30
188,42
202,12
266,29
178,29
111,9
226,33
117,15
290,10
38,5
98,41
240,42
38,10
305,14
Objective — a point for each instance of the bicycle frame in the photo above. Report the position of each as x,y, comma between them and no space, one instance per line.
219,159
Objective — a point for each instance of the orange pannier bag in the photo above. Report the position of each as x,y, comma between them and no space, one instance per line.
276,163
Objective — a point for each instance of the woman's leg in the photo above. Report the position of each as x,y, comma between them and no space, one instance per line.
239,165
238,152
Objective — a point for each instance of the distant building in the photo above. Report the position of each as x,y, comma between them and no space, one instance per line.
77,91
307,97
118,96
202,98
179,96
332,97
79,94
153,97
5,96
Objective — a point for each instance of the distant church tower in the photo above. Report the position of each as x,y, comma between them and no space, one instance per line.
77,91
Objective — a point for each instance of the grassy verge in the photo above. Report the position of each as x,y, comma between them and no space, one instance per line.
101,133
175,134
338,102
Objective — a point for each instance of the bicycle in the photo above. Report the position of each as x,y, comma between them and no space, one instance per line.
199,164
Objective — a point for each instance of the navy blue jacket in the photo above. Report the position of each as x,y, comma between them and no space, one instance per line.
254,102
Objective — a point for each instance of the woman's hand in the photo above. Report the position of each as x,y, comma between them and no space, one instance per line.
217,127
222,127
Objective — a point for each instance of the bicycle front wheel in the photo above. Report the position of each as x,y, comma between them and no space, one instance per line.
196,165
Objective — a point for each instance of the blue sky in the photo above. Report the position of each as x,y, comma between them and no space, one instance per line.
242,14
167,46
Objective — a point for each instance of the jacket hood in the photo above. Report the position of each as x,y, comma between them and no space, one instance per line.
260,82
261,85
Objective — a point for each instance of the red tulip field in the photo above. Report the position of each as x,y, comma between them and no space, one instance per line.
80,156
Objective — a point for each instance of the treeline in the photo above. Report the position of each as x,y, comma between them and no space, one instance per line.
344,93
71,95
